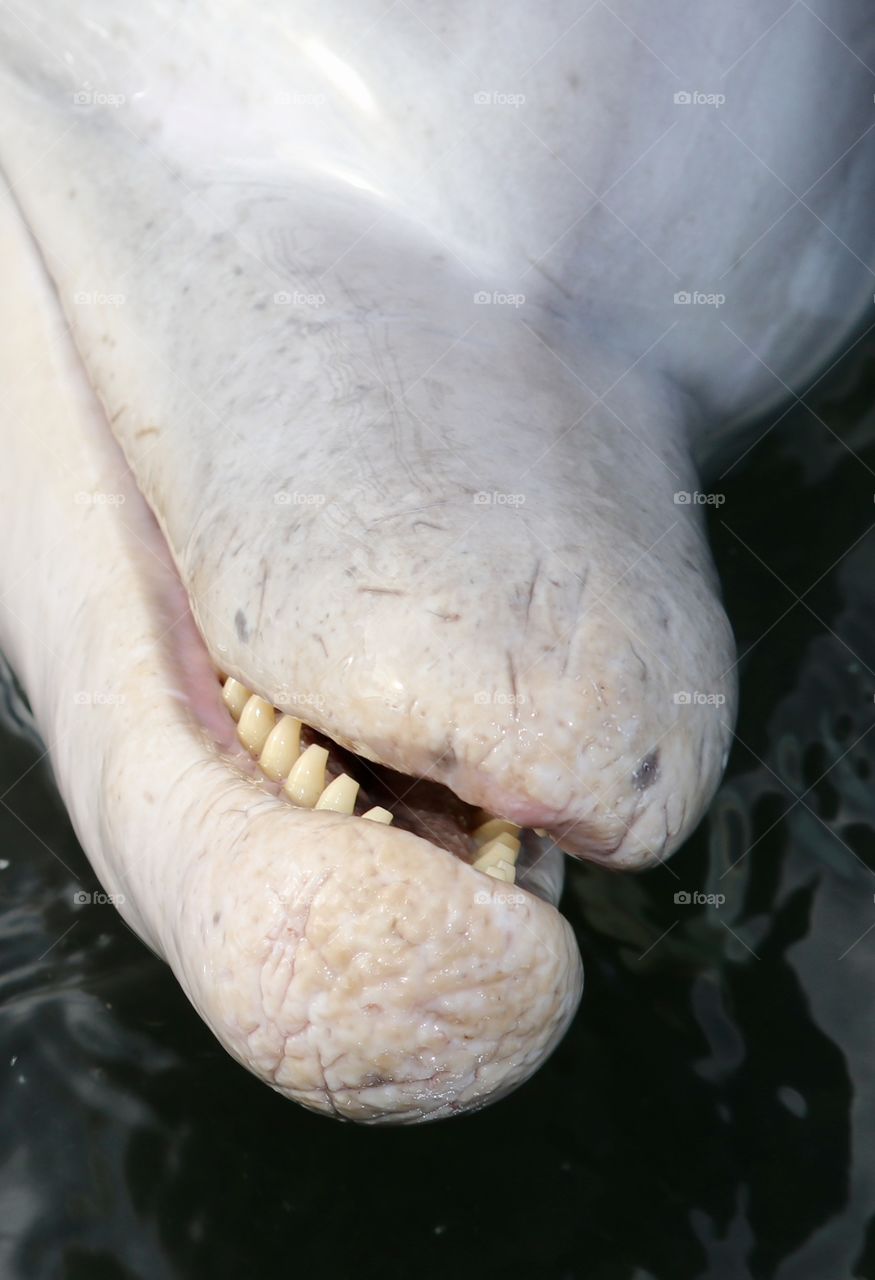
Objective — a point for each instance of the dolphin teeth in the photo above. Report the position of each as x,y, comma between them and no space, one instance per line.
306,781
282,748
378,814
498,854
502,871
276,742
235,696
510,843
339,795
494,827
255,723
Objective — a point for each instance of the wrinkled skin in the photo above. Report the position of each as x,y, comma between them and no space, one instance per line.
243,301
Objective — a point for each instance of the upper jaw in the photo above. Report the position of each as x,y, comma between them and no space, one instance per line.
318,480
529,655
534,688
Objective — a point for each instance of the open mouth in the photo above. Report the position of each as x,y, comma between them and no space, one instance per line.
309,770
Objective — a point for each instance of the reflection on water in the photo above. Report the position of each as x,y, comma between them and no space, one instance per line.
712,1112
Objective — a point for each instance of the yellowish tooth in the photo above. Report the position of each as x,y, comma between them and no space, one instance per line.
502,871
494,852
339,795
495,827
282,748
255,723
305,783
379,815
235,696
510,843
539,831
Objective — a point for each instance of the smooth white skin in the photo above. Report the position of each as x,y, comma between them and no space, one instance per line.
315,465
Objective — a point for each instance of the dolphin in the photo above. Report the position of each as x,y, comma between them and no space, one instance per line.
361,371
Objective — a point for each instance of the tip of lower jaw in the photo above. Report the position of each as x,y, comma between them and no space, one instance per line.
386,1101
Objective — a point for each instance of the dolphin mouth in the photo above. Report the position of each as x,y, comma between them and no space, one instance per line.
305,767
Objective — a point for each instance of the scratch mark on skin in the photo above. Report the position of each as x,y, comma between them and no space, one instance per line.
118,413
410,511
241,626
641,660
535,265
380,591
700,761
532,590
512,672
263,585
577,613
444,617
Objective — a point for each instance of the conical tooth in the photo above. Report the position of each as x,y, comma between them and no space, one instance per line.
509,843
339,795
235,696
495,827
255,723
494,852
306,781
502,871
282,748
539,831
379,815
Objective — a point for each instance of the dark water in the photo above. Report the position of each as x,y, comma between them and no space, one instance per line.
711,1114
